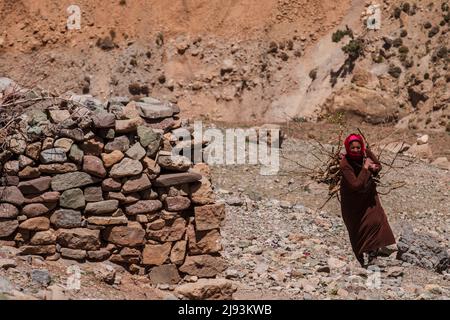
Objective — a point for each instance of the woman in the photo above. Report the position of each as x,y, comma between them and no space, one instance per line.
362,212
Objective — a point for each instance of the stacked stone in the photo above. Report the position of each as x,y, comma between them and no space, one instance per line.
87,182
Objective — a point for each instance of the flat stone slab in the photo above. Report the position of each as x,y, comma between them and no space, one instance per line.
172,179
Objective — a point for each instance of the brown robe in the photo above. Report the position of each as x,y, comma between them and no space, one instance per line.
362,212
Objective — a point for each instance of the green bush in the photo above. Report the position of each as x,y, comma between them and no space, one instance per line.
427,25
403,50
397,12
397,42
339,34
434,31
403,33
354,48
395,71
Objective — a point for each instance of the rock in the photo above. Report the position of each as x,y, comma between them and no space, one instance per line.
106,273
177,203
208,289
433,288
56,292
57,168
74,134
110,159
72,199
203,242
11,167
101,207
7,263
235,201
79,238
59,116
156,254
76,154
107,221
151,166
143,207
47,143
201,192
7,227
423,139
155,110
10,180
335,264
64,144
103,120
203,266
8,211
174,163
29,173
125,236
93,147
37,209
167,273
121,143
126,168
394,272
178,252
209,217
98,255
111,185
127,126
135,184
73,254
173,230
149,139
43,238
11,195
16,144
33,150
36,224
38,250
47,197
94,166
93,194
66,218
25,162
62,182
422,151
442,163
172,179
54,155
38,185
136,152
41,277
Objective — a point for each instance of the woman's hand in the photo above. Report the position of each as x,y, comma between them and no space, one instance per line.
368,163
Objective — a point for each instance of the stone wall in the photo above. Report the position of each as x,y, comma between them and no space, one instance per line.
90,181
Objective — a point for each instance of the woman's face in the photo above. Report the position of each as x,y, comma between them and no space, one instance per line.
355,147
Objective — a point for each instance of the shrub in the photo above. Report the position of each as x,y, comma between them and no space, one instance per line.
395,71
397,42
403,33
403,50
434,31
426,76
406,7
339,34
354,49
397,12
313,74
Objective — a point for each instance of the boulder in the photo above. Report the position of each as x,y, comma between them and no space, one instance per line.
53,155
62,182
156,254
101,207
38,185
126,168
208,289
203,266
66,218
128,236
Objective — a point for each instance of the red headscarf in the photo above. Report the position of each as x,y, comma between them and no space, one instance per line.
355,155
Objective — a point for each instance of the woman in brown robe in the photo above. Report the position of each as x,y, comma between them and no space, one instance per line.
362,212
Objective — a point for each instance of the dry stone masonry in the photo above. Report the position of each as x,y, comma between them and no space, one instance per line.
90,181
